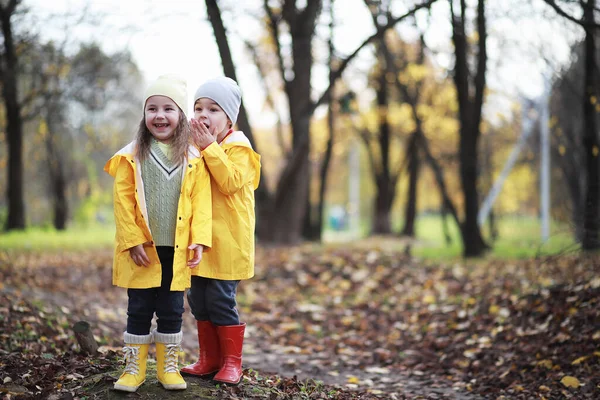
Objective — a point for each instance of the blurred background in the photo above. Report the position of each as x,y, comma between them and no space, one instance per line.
449,127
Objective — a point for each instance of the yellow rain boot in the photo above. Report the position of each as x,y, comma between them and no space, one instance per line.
168,346
135,353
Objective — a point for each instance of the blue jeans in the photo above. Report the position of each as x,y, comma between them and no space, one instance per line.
214,300
167,305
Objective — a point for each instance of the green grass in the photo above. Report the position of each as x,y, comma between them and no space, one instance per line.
44,239
518,237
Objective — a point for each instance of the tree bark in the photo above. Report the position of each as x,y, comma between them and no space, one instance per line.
470,106
14,122
410,212
316,219
385,189
591,231
58,184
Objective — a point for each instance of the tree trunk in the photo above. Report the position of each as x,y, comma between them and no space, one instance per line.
470,106
14,123
315,232
384,197
317,222
286,217
58,181
591,144
311,230
263,200
473,242
410,212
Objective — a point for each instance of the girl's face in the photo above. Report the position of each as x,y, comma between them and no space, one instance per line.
212,116
161,115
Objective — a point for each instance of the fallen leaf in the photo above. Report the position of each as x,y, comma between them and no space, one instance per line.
570,381
579,360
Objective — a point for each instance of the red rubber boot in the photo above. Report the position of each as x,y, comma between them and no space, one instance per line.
209,355
231,339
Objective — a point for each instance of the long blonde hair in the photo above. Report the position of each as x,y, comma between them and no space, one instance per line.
179,144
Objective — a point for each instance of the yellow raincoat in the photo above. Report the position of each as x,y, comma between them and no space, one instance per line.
235,173
194,217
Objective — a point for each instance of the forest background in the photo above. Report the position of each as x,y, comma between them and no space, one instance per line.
430,168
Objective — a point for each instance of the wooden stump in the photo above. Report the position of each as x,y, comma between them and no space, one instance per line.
85,337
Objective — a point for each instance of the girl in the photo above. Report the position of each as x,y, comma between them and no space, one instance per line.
163,223
235,172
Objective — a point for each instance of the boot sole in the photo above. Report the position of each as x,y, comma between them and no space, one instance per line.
209,374
130,389
176,386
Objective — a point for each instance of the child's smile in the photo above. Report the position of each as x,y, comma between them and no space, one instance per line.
162,116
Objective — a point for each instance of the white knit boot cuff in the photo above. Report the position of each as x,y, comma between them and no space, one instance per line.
130,338
167,338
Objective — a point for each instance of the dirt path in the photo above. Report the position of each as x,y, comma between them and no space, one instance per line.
104,309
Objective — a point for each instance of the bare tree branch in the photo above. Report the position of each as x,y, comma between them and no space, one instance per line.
269,99
380,31
560,11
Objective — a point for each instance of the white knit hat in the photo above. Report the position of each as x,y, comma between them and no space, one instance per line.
223,91
172,86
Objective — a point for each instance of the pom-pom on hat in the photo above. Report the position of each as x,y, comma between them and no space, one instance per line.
223,91
171,86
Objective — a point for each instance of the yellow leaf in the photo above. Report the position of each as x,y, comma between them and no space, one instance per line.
494,309
597,353
345,284
544,388
545,363
579,360
353,379
570,381
429,299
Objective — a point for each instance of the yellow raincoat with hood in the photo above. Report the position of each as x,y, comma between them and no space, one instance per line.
235,171
194,217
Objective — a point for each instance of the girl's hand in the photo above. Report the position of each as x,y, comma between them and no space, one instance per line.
200,134
198,249
139,256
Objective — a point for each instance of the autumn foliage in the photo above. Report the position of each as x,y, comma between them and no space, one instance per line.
355,321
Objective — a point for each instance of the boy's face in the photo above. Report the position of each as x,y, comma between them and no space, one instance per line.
212,116
162,116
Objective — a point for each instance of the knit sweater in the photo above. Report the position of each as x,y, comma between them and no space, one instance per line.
162,185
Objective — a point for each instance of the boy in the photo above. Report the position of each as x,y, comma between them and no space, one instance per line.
235,172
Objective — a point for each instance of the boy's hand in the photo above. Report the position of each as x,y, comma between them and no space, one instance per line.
139,256
200,134
198,249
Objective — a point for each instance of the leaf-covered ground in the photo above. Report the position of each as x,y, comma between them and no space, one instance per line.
359,321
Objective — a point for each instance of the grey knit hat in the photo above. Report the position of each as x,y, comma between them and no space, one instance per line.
223,91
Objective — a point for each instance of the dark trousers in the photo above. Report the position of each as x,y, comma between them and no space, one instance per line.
214,300
167,305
